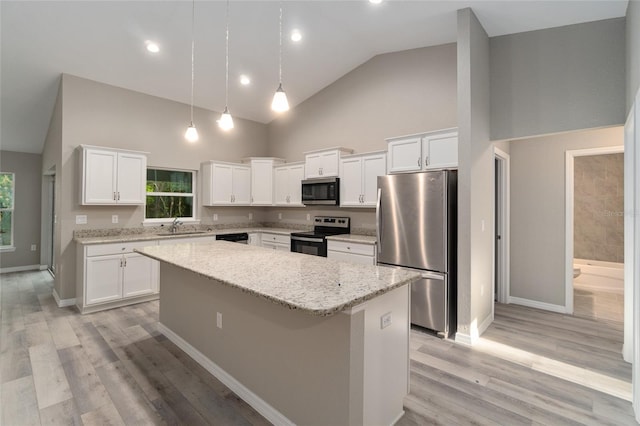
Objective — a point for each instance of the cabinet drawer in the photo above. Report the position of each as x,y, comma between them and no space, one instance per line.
355,248
276,238
117,248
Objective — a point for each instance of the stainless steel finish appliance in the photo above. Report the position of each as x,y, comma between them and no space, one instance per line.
416,228
323,191
315,242
240,237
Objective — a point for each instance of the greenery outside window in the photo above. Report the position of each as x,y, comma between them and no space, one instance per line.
170,194
7,192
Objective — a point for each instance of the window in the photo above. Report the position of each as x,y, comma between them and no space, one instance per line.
170,194
7,188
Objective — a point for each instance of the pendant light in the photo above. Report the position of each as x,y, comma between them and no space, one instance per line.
226,121
280,103
191,134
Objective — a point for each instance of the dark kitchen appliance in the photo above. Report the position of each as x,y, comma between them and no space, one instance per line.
240,237
315,242
323,191
417,216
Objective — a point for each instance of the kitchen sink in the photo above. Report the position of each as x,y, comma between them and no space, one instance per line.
167,234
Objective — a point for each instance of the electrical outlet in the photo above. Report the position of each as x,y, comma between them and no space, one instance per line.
114,218
250,216
482,225
385,320
308,217
81,219
279,216
218,320
215,217
33,247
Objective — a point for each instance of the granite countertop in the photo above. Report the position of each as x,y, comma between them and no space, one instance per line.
352,238
313,284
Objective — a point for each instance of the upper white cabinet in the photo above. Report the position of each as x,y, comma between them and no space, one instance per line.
288,184
324,163
112,176
423,151
226,184
262,185
359,178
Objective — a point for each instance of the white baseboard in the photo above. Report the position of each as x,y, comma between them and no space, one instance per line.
538,305
472,337
20,269
63,303
485,324
44,267
262,407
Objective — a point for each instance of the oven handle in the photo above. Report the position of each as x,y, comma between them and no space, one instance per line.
311,240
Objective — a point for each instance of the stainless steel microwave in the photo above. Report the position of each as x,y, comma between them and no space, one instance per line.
323,191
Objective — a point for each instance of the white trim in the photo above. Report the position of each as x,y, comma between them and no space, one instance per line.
7,249
568,221
475,331
261,406
539,305
634,187
465,339
19,268
63,303
44,267
485,324
504,286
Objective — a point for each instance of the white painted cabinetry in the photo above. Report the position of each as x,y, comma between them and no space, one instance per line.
262,180
358,178
226,184
111,176
424,151
276,241
111,275
288,184
255,239
324,163
352,252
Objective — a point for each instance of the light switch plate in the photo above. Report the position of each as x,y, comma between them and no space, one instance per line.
385,320
250,216
33,247
308,216
81,219
114,218
215,216
279,216
218,320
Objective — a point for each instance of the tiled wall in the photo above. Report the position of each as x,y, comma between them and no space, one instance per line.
599,208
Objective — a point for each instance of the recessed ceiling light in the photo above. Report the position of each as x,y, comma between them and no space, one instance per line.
152,46
296,35
245,80
375,1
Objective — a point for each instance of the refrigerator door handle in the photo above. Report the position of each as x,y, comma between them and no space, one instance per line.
433,276
378,220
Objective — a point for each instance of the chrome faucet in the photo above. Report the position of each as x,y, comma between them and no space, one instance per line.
174,225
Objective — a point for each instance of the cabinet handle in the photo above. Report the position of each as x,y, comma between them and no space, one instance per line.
320,170
125,262
426,160
118,195
121,263
114,196
252,198
348,248
419,162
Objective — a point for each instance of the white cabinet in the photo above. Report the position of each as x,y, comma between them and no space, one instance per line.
276,241
262,180
111,176
359,178
352,252
226,184
324,163
255,239
288,184
423,151
111,275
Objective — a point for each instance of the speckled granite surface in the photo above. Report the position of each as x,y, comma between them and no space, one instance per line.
312,284
352,238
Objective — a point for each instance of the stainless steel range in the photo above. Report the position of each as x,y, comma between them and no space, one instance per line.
315,242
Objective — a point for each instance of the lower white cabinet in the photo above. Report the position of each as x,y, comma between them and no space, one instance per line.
352,252
111,275
276,241
255,239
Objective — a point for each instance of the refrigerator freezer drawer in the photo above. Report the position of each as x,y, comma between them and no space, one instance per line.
429,303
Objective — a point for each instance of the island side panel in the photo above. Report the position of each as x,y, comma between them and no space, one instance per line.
296,362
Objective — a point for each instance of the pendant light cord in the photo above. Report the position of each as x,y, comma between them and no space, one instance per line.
193,50
226,78
280,51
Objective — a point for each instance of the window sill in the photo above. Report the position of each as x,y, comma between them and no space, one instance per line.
7,249
156,222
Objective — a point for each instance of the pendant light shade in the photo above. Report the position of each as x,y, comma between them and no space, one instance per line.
191,135
226,121
280,103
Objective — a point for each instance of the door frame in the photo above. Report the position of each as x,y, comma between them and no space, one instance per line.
502,183
570,156
47,254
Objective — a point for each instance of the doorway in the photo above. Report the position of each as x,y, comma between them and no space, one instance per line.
48,223
501,222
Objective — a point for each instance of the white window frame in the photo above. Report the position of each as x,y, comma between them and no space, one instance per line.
194,180
11,247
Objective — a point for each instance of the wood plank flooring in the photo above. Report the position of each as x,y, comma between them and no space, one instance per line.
114,367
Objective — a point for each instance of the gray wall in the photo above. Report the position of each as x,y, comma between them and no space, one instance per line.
599,208
390,95
633,51
538,211
558,79
475,179
26,214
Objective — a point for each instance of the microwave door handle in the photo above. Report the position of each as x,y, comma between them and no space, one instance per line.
378,217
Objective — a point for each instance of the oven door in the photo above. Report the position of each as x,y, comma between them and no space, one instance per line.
314,246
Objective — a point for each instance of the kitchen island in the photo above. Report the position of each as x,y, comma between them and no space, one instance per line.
303,339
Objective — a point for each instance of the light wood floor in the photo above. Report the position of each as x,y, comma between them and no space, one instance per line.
601,305
113,367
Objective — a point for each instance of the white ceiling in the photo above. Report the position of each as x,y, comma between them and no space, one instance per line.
104,41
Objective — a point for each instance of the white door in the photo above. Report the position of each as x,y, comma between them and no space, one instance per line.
405,155
241,185
351,181
138,275
104,279
262,182
132,177
372,167
440,151
99,177
221,184
296,175
329,164
313,166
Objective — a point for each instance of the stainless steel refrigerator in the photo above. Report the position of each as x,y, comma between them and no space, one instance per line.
416,226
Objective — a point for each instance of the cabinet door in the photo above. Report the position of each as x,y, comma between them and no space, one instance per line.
262,182
221,184
140,275
296,175
329,165
281,186
440,151
132,176
313,165
405,155
99,177
241,185
351,181
372,167
103,281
